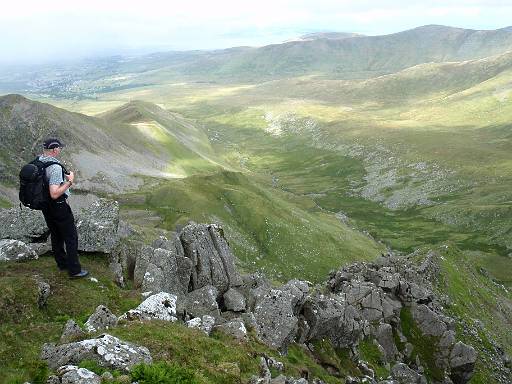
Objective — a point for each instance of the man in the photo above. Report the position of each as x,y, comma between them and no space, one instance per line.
58,214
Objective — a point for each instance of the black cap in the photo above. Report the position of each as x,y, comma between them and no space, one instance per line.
52,142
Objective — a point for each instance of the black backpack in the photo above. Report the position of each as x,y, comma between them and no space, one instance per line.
34,188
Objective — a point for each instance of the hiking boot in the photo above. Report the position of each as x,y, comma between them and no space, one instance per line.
80,274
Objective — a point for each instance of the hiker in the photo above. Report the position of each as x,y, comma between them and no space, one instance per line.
58,214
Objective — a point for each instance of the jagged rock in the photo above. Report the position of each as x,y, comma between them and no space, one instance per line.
255,286
100,320
213,262
428,321
124,256
202,301
15,250
71,330
53,379
249,320
333,318
162,273
384,336
462,363
173,245
41,248
71,374
234,300
276,324
108,351
97,226
299,290
235,328
204,323
161,306
25,225
43,293
405,375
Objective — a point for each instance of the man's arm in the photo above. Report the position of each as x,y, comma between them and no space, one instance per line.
56,191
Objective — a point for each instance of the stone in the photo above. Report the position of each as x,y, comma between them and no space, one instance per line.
428,321
235,328
255,286
26,225
213,263
405,375
299,290
162,273
71,374
15,250
102,319
202,301
384,336
333,318
97,226
108,351
43,293
161,306
71,331
204,323
234,300
462,363
276,324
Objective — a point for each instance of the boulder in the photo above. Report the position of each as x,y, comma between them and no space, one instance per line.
462,363
254,287
384,336
333,318
25,225
429,322
204,323
299,290
234,328
213,263
97,226
102,319
71,331
71,374
276,324
15,250
402,374
202,302
162,273
161,306
108,351
234,300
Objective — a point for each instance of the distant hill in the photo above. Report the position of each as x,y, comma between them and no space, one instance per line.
136,139
328,35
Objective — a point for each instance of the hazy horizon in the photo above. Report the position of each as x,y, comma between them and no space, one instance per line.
37,33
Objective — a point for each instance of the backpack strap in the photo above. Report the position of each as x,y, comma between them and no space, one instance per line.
43,165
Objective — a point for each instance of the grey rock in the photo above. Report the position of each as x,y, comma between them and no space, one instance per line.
26,225
53,379
41,248
161,306
125,255
405,375
213,263
234,328
100,320
276,322
15,250
108,351
71,331
462,363
331,317
97,226
204,323
428,321
299,290
202,301
142,257
249,320
43,293
255,286
384,336
71,374
273,363
162,273
234,300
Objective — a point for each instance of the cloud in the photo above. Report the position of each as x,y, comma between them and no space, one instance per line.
36,30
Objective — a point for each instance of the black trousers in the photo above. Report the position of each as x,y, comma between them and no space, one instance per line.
61,222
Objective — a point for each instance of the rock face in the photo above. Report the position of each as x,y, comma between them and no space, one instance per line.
15,250
234,328
161,306
97,226
213,263
202,302
102,319
108,351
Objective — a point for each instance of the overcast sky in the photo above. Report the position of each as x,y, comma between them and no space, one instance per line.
41,30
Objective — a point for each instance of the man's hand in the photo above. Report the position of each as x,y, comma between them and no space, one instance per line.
70,177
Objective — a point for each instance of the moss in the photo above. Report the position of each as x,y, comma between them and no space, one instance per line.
371,354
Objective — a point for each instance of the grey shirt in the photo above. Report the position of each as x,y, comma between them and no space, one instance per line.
54,172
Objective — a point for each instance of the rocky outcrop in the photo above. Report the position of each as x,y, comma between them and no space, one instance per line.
108,351
234,328
15,250
161,306
24,224
202,301
71,331
71,374
97,226
101,320
213,263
